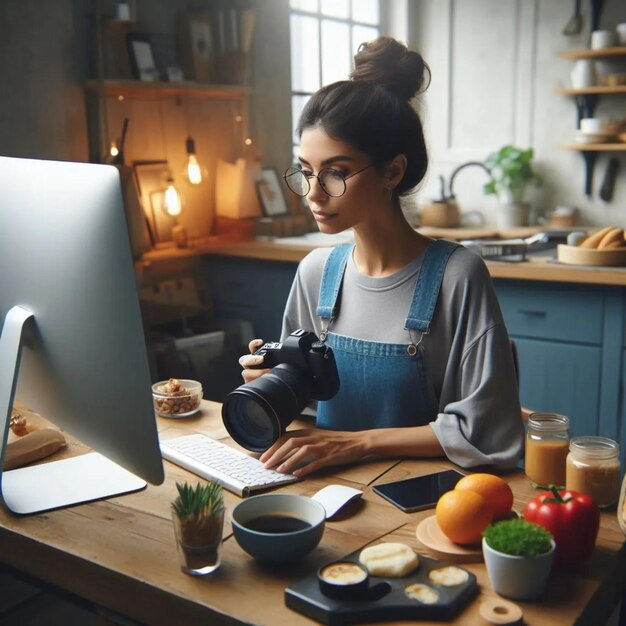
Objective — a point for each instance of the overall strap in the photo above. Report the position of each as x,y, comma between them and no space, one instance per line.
428,284
331,280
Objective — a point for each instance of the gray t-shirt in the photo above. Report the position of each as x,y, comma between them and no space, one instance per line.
467,353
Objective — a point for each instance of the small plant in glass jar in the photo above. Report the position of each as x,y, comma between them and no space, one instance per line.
198,516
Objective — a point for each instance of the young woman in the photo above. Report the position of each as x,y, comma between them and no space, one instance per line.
424,359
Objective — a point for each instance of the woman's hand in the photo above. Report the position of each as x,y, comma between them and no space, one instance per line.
248,360
311,449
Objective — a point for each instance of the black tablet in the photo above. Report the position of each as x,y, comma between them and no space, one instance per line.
420,492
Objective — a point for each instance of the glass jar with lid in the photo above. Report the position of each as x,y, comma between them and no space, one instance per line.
593,467
547,447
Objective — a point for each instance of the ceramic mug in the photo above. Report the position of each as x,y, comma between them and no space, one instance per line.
591,125
602,39
620,29
583,74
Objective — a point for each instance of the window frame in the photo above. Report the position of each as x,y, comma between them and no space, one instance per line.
351,22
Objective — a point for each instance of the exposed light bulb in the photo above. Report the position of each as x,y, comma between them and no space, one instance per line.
114,150
171,200
194,171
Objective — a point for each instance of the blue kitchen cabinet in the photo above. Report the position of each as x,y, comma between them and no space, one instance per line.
570,341
252,290
561,378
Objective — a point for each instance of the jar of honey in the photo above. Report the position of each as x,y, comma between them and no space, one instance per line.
593,468
547,447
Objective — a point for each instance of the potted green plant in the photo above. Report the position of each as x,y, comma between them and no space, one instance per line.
511,173
518,555
198,516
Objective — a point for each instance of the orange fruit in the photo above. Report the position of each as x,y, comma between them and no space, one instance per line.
463,515
493,488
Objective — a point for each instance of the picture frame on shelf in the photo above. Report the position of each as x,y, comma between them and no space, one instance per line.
196,47
270,192
151,177
141,57
174,74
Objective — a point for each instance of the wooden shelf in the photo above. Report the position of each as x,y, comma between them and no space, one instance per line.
139,89
595,147
592,91
593,54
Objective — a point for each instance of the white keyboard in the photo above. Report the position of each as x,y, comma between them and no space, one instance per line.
215,461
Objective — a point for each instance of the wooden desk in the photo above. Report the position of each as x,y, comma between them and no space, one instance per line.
120,553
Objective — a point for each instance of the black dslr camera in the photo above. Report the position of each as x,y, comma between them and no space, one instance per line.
302,369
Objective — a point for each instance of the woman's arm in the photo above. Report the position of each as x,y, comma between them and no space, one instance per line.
303,451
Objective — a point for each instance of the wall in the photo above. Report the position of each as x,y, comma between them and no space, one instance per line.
43,63
494,72
495,69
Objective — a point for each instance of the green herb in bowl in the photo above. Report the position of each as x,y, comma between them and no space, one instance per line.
518,537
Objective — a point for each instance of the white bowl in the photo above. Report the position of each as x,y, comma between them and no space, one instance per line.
517,577
591,125
588,138
279,547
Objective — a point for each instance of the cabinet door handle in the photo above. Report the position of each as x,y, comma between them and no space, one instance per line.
532,313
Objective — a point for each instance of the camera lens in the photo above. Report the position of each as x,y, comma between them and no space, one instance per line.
257,413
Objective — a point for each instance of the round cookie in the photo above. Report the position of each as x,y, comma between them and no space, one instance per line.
389,560
421,593
448,576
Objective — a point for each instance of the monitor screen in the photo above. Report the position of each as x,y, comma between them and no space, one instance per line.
65,257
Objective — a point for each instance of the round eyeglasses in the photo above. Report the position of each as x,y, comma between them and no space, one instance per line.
331,181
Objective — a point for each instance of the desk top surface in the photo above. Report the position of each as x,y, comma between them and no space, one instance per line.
120,553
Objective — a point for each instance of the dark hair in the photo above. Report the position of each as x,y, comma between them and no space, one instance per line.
372,110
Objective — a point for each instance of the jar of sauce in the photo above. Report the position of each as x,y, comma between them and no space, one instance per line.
593,468
547,447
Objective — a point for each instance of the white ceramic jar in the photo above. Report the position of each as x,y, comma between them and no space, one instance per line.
583,74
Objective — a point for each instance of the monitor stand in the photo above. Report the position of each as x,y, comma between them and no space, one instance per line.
59,483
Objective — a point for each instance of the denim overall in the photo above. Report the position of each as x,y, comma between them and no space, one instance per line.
382,385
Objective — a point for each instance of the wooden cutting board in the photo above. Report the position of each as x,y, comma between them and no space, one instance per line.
429,533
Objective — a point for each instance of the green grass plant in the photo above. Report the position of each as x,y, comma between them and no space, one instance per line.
518,537
203,500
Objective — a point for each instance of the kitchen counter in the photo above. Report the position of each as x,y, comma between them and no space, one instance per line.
295,249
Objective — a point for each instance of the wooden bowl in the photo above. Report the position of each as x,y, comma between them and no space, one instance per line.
574,255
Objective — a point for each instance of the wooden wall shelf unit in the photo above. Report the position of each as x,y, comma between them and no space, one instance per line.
595,147
586,100
139,89
600,90
600,53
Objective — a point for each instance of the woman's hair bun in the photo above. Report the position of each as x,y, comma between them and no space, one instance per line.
391,64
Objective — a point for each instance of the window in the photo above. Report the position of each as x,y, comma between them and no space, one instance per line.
325,36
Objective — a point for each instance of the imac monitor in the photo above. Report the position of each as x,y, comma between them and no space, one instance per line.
72,346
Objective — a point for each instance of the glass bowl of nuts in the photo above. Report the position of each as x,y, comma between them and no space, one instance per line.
176,397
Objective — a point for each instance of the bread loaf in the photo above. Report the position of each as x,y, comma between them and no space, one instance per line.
615,235
593,240
614,245
390,560
32,447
